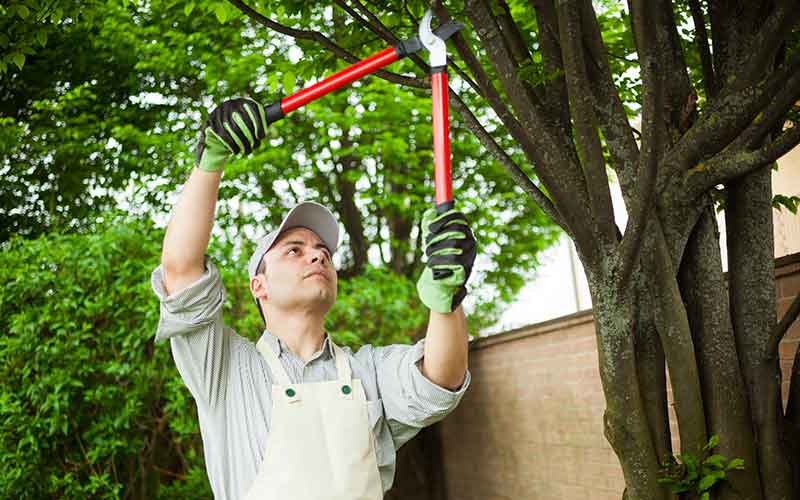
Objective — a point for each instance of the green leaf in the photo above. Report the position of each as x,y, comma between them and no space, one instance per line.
272,79
288,82
188,8
710,480
221,12
705,496
692,466
736,463
55,17
3,40
19,59
712,443
717,461
41,37
22,11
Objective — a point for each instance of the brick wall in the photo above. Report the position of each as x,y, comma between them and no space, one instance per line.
530,426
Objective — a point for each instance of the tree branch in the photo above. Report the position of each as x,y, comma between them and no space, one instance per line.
774,116
516,44
734,164
608,106
582,110
766,42
325,42
513,170
783,325
672,323
728,116
647,172
701,38
512,35
549,45
376,26
549,150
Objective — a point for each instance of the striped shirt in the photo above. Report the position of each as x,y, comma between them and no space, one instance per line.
230,383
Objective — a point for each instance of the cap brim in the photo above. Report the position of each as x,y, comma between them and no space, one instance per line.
315,217
307,214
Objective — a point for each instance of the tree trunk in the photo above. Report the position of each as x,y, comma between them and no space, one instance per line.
752,295
625,420
727,410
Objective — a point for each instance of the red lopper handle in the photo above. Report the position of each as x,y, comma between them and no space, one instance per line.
441,139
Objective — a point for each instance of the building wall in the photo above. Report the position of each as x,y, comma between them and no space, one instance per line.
531,424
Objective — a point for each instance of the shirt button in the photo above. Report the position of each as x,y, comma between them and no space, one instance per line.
290,392
346,389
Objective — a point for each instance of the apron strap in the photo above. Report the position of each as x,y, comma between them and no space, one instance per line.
342,364
343,371
272,360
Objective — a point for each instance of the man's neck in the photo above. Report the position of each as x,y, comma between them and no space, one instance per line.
303,334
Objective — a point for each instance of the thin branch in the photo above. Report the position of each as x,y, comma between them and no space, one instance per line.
783,325
516,44
325,42
512,35
701,37
514,171
771,117
617,131
728,166
376,26
583,116
767,41
648,168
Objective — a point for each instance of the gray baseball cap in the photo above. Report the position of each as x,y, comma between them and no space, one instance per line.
307,214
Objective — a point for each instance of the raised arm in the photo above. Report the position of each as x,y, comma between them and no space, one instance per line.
189,230
451,248
235,126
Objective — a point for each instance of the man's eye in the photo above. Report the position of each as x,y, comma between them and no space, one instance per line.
293,249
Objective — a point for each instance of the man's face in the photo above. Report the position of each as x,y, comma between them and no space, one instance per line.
298,273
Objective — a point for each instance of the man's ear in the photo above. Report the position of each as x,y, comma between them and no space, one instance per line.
257,282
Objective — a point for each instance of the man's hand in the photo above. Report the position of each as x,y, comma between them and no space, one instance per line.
450,248
234,126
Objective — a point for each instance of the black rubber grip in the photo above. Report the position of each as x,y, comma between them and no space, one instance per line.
446,206
407,47
274,112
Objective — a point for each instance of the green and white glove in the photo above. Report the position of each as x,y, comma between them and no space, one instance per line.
234,126
450,248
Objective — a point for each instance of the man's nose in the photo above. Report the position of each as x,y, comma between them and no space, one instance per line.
319,256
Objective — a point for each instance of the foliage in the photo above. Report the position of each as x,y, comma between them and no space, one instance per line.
790,202
698,475
88,402
121,114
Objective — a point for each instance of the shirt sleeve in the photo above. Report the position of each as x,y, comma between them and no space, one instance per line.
192,321
410,400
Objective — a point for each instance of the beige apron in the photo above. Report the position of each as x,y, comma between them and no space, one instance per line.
320,446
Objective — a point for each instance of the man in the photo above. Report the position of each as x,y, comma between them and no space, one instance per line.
296,417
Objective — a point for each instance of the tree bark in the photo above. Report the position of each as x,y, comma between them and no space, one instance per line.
704,292
752,296
625,421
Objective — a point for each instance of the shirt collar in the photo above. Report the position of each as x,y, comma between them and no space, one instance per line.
279,347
